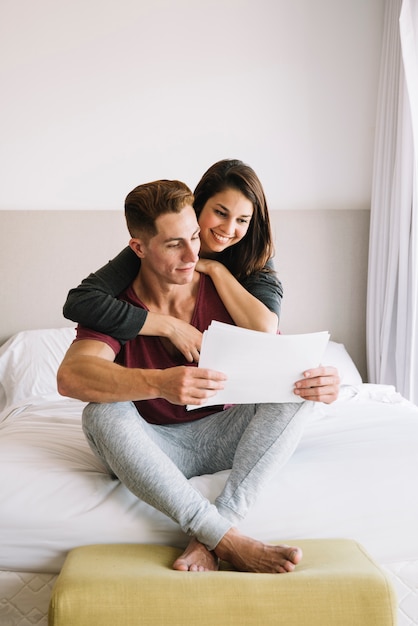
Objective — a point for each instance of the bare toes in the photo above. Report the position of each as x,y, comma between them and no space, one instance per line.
196,558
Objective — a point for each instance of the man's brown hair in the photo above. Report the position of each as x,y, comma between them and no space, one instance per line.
148,201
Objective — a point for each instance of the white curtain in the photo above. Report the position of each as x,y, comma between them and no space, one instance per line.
392,299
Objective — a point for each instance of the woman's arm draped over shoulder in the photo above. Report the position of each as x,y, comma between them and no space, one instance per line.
94,304
254,303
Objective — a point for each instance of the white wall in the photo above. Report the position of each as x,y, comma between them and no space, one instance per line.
98,96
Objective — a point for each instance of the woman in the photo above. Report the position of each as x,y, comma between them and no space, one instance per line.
236,252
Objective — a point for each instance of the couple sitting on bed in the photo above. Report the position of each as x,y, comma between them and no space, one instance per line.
133,360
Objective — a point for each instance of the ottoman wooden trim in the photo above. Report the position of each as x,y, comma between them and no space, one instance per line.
336,584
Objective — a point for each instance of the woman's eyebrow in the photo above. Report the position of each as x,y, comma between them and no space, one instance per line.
225,208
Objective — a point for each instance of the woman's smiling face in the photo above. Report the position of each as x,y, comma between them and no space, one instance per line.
223,221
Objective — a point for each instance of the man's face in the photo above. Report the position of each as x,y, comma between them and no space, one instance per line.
172,253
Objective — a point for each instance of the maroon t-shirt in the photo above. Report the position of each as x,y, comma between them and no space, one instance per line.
158,353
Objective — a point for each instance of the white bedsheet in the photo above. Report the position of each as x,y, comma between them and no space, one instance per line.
353,475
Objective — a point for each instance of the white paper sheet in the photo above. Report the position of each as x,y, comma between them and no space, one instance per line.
260,367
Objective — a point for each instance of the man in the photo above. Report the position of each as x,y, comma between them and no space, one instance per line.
138,424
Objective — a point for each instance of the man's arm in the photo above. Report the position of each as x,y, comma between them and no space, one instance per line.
88,373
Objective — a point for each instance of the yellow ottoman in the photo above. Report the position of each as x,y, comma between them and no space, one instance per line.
336,584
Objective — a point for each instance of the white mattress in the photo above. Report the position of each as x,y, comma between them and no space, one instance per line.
404,576
24,598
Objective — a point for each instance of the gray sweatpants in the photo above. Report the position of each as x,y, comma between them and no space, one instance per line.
155,462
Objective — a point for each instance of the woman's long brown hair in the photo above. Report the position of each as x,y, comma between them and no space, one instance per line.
254,250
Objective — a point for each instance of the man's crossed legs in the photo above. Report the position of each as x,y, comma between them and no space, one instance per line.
155,463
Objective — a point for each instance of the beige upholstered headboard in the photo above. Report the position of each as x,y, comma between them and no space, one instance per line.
321,258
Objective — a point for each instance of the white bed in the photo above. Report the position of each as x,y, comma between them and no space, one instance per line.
352,476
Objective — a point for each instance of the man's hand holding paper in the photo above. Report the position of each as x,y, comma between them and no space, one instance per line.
261,367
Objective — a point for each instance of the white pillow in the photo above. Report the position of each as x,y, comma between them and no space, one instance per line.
29,362
337,355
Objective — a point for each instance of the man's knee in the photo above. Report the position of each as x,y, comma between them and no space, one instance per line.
89,415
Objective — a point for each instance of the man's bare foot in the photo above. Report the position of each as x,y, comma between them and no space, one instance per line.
250,555
197,558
